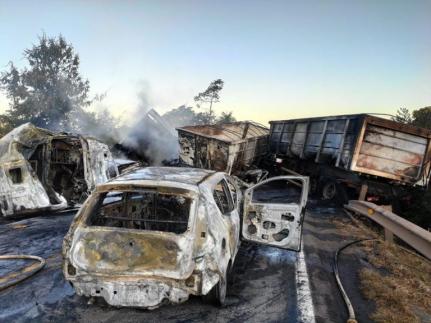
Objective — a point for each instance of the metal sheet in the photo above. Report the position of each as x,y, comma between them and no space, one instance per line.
386,149
227,147
327,138
360,143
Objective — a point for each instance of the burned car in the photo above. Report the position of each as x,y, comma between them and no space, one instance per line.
42,170
159,234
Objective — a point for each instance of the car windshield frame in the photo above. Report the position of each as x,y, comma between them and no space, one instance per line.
99,196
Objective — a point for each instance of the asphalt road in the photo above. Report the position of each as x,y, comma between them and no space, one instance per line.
264,286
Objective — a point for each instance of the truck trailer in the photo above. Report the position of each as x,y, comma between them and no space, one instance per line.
354,156
228,147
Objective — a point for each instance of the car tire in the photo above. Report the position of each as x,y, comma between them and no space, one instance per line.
217,295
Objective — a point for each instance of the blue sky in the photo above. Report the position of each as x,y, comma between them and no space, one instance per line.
279,59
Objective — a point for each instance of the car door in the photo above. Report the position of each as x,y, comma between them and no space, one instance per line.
225,202
274,210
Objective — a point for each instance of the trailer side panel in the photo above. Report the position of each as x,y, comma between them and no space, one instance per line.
360,143
388,152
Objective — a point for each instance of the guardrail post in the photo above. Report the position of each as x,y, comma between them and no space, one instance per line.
363,192
389,236
410,233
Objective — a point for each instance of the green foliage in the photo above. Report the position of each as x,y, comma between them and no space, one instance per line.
50,92
422,117
419,118
226,117
186,116
403,115
50,89
211,95
181,116
205,118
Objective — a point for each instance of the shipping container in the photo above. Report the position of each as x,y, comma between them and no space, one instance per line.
229,147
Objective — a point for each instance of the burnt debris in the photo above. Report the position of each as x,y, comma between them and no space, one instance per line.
44,170
229,147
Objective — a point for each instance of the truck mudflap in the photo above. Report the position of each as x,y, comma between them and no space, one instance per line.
147,294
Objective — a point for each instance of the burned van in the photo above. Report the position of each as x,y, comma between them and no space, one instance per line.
42,170
159,234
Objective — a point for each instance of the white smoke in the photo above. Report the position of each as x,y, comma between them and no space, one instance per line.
150,136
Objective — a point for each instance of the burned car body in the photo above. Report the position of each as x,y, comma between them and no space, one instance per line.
43,170
160,234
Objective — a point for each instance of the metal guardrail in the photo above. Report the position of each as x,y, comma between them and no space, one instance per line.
415,236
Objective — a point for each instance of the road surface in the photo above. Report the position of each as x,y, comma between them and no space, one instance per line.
269,284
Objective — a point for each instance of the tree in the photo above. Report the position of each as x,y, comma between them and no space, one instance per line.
422,117
186,116
403,115
419,118
211,96
50,91
181,116
226,117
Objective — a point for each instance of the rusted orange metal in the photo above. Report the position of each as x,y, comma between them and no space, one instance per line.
226,147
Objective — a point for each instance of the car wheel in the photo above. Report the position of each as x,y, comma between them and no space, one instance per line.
217,295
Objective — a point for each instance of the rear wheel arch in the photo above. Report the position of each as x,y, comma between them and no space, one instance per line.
217,294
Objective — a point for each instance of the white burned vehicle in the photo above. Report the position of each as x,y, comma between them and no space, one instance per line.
160,234
42,170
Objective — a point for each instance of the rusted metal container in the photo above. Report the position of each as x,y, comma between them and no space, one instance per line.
360,143
228,147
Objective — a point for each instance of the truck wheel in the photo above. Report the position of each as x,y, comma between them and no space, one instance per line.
329,191
333,191
217,295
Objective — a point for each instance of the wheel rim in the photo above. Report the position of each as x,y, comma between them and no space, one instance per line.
329,191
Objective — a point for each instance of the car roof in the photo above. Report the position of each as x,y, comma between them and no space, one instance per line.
185,175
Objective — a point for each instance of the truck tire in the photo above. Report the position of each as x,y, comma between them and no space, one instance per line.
334,191
329,190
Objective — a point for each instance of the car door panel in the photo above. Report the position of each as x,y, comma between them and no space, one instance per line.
274,210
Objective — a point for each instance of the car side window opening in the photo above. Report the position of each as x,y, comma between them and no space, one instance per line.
232,189
222,197
15,175
145,210
278,191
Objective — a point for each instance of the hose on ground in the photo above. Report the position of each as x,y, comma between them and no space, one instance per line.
349,306
352,317
361,226
26,272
